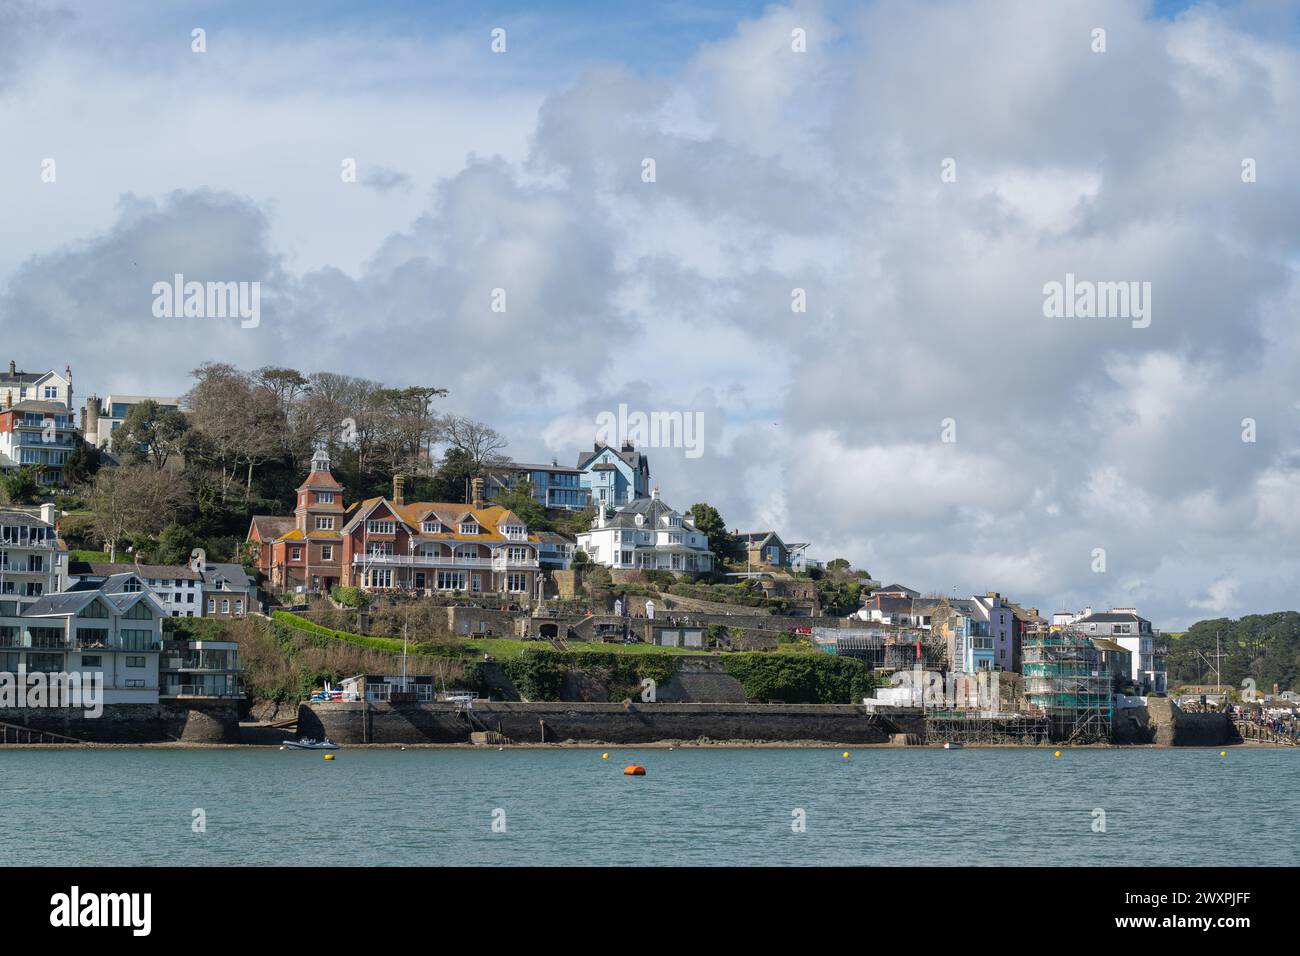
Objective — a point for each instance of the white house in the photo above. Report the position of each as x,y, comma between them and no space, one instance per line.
113,627
646,534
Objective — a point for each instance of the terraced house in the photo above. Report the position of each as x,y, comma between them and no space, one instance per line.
425,546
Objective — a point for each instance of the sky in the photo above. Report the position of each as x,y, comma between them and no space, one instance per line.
922,171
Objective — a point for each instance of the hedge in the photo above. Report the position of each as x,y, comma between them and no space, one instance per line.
389,644
801,678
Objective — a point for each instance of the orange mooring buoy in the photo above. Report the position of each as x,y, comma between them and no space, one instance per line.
634,770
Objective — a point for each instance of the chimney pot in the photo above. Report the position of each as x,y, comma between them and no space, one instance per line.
476,492
399,490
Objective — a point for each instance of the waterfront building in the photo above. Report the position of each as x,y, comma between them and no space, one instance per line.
646,534
614,476
552,486
1068,681
426,546
113,627
38,434
190,669
1126,627
999,619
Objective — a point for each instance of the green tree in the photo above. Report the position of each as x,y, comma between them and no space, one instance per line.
175,544
706,517
452,480
82,463
23,486
150,434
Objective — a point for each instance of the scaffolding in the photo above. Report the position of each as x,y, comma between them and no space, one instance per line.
1067,681
967,727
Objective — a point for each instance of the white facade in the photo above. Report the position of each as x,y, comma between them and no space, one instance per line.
646,534
114,630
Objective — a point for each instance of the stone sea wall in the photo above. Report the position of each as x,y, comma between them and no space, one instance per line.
190,722
614,723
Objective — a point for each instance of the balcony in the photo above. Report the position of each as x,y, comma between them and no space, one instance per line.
441,561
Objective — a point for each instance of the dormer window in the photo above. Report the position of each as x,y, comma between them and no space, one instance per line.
469,527
640,519
431,527
382,527
675,521
514,530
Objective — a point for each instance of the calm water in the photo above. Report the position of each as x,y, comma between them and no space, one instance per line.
880,807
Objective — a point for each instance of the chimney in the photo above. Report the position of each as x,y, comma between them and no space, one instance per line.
13,367
628,446
399,490
654,493
49,514
476,493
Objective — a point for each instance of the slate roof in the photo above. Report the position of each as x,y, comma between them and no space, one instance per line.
1111,617
270,527
632,457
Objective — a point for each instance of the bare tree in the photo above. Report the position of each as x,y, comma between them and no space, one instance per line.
481,443
134,500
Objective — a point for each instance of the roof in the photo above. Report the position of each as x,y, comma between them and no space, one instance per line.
448,514
67,603
33,405
631,456
270,527
22,518
1105,644
554,537
21,378
1111,617
233,574
650,509
525,466
104,570
897,587
321,479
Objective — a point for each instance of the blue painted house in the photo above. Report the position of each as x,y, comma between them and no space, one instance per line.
615,476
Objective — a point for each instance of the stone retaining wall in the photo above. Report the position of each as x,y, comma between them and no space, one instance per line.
354,723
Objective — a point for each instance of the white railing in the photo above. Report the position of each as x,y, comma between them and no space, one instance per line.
440,561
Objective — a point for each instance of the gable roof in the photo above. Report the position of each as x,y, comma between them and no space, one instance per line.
96,569
632,458
650,509
1111,617
270,527
448,514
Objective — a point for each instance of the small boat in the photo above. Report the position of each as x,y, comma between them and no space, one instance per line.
309,743
952,745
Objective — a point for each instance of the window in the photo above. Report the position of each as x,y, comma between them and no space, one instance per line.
517,582
518,555
137,640
431,527
325,498
324,523
380,549
451,580
212,605
92,660
469,527
327,552
225,606
135,682
135,661
382,527
50,391
295,554
513,530
239,607
626,557
379,578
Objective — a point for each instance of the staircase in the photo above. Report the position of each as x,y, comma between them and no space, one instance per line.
18,734
1249,730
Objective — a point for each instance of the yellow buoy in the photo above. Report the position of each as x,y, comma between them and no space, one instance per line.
604,756
329,756
1057,754
1223,753
846,755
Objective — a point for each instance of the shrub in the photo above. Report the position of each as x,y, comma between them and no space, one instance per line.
350,597
801,678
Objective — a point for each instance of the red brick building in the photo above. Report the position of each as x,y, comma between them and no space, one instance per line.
390,544
439,546
305,550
